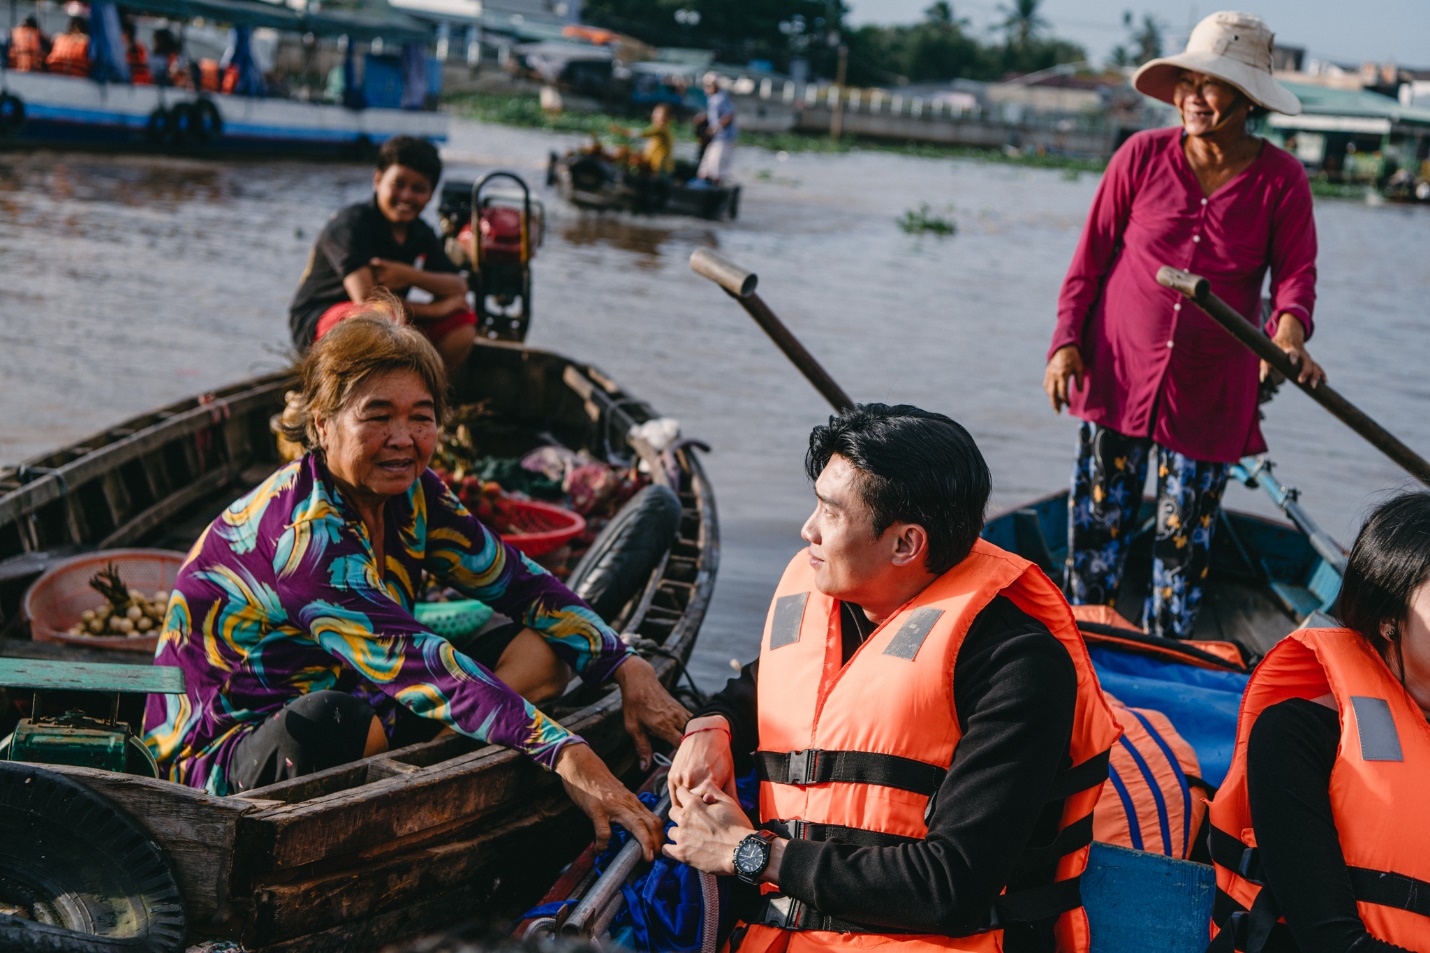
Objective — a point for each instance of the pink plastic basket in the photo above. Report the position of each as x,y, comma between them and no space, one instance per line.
57,599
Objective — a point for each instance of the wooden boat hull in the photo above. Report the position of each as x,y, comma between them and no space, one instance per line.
593,183
407,840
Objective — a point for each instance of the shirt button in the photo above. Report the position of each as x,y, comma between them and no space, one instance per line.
1169,343
1196,238
1177,306
1204,201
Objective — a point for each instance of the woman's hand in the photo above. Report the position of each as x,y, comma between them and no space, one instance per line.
647,706
1065,363
1291,337
704,756
709,825
604,799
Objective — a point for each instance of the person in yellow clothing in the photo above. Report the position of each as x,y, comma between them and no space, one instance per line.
658,155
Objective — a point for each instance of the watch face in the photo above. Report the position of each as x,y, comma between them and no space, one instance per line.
748,856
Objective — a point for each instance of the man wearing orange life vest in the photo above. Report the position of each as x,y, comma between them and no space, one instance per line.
927,728
1319,832
27,47
69,55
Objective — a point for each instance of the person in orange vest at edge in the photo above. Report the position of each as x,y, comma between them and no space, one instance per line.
928,731
1319,833
135,55
27,47
69,54
384,243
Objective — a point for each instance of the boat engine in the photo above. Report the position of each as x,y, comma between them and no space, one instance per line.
507,227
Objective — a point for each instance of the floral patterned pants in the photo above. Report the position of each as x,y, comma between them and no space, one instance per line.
1102,512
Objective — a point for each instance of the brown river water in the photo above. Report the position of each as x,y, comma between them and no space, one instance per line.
127,282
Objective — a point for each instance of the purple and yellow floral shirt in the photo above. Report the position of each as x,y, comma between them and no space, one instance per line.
281,596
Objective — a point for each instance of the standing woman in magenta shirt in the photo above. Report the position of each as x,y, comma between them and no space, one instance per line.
1150,376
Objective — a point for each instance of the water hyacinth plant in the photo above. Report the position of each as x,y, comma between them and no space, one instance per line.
924,220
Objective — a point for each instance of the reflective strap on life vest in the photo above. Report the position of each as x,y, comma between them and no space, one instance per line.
813,766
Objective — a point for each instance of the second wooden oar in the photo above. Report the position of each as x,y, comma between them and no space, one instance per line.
740,285
1198,289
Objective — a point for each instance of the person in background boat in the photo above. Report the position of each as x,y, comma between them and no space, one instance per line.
136,55
28,47
719,155
69,53
658,155
384,243
1152,378
292,618
167,64
1321,819
923,715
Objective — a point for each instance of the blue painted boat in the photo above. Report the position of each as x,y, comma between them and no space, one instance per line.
106,111
1267,579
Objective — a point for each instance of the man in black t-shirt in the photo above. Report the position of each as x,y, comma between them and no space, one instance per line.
383,243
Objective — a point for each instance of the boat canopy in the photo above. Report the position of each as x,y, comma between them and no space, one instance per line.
371,22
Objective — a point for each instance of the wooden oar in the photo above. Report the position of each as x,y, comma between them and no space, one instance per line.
740,285
1198,289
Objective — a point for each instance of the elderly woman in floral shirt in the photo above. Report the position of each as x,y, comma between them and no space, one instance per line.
300,653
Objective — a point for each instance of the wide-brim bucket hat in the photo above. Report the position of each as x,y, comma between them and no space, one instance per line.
1234,47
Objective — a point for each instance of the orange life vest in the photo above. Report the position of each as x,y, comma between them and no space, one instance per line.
137,58
69,56
854,752
1154,799
208,76
1377,790
26,53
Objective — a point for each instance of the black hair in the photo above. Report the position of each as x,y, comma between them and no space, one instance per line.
1389,561
915,467
419,155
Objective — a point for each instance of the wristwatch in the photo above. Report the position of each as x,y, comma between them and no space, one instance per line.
752,856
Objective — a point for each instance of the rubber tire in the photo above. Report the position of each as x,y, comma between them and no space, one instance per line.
205,122
158,128
12,114
80,863
179,126
618,565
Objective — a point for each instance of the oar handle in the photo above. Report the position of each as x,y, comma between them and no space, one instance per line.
740,285
725,273
1198,289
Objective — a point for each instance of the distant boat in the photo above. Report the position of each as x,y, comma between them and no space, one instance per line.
106,110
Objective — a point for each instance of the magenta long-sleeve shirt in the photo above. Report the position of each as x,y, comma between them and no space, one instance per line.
1156,365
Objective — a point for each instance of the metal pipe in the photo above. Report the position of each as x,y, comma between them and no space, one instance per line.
1287,499
1198,289
595,911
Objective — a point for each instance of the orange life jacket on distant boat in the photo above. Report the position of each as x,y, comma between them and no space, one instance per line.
137,58
69,56
26,52
208,76
826,729
1378,785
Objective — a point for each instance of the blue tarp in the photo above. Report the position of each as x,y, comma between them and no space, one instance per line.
1201,704
106,44
240,54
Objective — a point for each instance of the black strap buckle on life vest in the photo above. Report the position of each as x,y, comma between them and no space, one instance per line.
787,913
1231,853
816,766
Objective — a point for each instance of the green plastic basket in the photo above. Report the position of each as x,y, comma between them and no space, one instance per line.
453,620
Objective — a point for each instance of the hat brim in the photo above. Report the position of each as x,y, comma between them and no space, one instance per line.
1158,78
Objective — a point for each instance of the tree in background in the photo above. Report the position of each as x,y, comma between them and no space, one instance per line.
1144,42
937,48
737,30
1021,23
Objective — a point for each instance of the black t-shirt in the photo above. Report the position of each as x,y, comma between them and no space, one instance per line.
1289,758
1015,692
352,238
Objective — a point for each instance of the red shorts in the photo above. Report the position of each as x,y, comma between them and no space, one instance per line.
434,331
